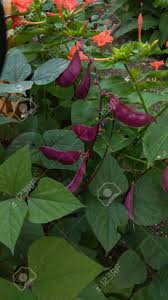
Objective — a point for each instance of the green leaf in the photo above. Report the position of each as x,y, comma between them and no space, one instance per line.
142,294
16,67
84,112
92,291
129,270
60,92
33,139
50,201
10,291
116,85
150,201
105,221
155,140
60,269
149,98
158,289
109,180
117,143
50,71
15,172
19,87
163,28
155,251
12,215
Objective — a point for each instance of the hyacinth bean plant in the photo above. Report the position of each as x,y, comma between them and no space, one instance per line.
84,156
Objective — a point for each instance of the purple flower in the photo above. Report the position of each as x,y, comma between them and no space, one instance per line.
165,180
86,133
82,89
64,157
77,180
70,75
128,203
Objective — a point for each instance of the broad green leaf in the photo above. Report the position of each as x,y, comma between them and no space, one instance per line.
155,140
15,172
150,201
149,98
142,294
163,28
33,139
155,251
129,270
84,112
110,181
12,215
117,143
50,71
117,85
50,201
19,87
158,289
10,291
105,221
16,67
60,92
29,233
61,270
92,291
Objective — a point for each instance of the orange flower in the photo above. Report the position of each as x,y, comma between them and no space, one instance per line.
140,23
75,48
67,4
102,38
89,1
157,64
22,5
59,4
166,44
70,5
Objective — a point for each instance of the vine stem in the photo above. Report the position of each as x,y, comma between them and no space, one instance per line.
137,88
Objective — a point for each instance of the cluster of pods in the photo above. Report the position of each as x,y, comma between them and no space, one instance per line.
119,111
71,74
84,133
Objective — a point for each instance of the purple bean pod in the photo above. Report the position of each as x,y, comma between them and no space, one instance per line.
124,114
128,203
63,157
86,133
82,89
77,180
70,75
